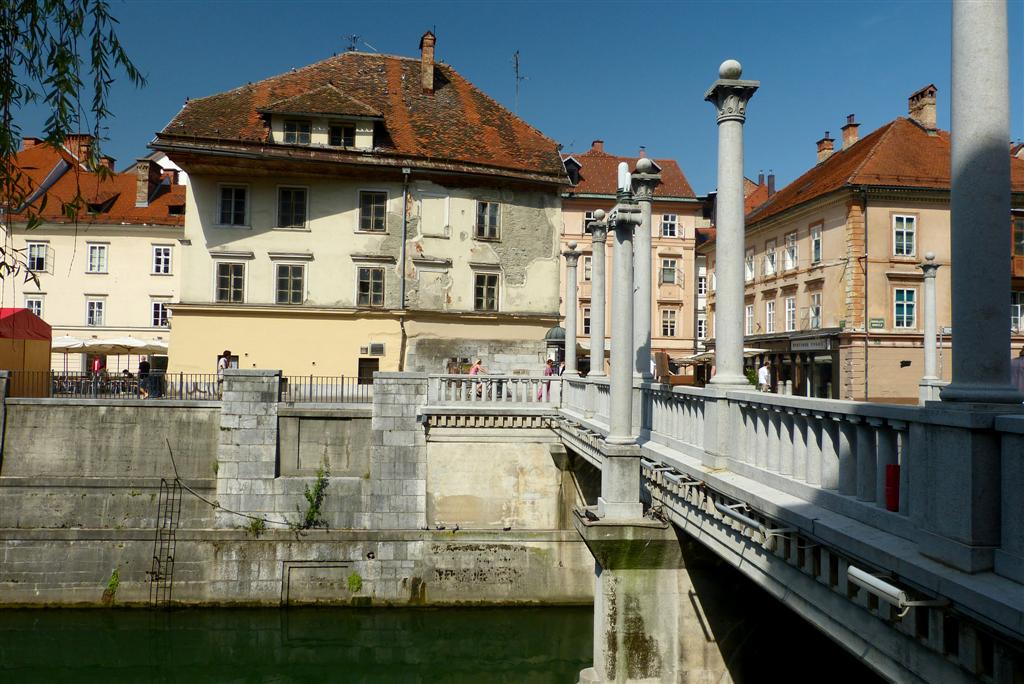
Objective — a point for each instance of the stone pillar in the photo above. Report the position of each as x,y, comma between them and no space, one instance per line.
599,235
398,455
572,256
980,205
624,217
928,381
730,96
644,183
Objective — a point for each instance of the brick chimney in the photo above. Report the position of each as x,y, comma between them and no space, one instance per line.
850,135
427,43
771,182
147,177
80,145
760,178
825,147
921,107
597,146
643,152
28,143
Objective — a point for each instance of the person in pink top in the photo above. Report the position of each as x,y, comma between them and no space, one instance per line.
545,387
478,369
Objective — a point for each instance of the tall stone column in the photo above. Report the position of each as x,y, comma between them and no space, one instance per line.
730,96
928,381
599,234
980,205
572,257
644,183
625,217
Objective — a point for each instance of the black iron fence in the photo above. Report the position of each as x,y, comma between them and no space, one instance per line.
84,385
326,388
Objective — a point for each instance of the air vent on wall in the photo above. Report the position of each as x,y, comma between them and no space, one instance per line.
376,349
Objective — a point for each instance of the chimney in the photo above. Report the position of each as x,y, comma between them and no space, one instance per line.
147,177
643,152
107,161
921,107
427,43
170,174
28,143
597,146
825,148
760,178
80,145
850,132
771,182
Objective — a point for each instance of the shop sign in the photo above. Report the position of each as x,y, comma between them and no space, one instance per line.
876,323
815,344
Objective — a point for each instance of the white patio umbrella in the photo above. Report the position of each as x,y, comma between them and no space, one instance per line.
66,343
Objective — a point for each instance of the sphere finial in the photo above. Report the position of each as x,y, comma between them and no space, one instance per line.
599,215
571,245
730,69
644,165
929,256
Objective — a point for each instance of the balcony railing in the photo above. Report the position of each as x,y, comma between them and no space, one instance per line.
325,389
83,385
498,390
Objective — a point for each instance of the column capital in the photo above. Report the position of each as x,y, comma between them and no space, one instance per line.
730,94
626,213
572,255
929,267
598,228
645,180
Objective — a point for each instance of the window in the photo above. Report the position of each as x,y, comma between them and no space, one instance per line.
97,258
371,287
588,268
35,305
341,135
668,270
748,265
586,320
769,258
291,208
748,317
296,132
702,327
230,282
1018,237
702,285
904,231
290,283
668,322
94,312
232,205
485,292
159,310
587,218
1016,311
904,314
789,258
790,314
769,316
816,310
161,259
487,214
669,223
36,256
714,281
816,244
372,211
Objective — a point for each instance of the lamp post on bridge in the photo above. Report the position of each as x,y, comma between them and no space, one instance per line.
644,183
625,216
730,95
599,235
930,378
572,256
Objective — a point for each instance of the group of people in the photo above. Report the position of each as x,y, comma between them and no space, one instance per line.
543,390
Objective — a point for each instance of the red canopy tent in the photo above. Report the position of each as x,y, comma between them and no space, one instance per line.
25,346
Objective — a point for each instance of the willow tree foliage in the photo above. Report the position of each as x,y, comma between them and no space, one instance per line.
62,56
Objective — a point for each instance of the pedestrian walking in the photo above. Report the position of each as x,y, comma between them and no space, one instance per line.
545,386
764,377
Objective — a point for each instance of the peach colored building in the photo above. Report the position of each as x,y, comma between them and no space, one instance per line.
833,285
675,213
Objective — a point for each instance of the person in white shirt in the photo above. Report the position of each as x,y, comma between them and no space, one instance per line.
764,377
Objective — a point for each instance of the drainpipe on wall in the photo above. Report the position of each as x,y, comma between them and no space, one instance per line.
405,236
867,273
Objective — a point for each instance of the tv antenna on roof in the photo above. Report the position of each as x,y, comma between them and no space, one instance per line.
515,66
353,41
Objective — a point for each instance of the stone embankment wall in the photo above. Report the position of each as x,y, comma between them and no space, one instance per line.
80,482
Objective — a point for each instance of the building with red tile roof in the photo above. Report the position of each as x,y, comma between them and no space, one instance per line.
833,284
366,212
109,269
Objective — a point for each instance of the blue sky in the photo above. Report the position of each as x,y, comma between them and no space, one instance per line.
631,73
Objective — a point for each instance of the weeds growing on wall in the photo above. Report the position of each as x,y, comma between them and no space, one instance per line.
111,591
314,517
257,526
355,582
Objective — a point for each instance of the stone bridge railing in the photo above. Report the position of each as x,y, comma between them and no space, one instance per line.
495,391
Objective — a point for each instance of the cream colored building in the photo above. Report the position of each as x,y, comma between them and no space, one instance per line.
833,285
368,212
115,271
675,213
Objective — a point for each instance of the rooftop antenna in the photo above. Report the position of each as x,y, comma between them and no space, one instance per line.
515,66
353,41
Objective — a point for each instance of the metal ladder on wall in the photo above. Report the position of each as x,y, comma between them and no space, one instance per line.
168,511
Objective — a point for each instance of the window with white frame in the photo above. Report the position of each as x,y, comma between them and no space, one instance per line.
586,320
291,283
488,217
790,314
904,235
485,292
233,205
588,268
904,307
97,258
1016,311
341,135
668,322
769,258
370,288
162,259
790,256
373,205
702,327
669,225
748,319
816,244
297,132
94,312
702,285
230,285
35,305
748,265
1018,237
588,216
668,271
159,311
815,310
291,207
36,256
769,316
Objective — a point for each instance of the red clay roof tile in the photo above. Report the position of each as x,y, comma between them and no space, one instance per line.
599,175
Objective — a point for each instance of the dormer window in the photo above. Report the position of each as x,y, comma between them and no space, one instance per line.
296,132
342,135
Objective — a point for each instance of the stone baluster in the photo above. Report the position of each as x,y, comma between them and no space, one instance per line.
816,436
800,437
903,451
847,446
830,451
867,466
786,442
888,454
774,428
761,453
572,256
645,180
598,287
